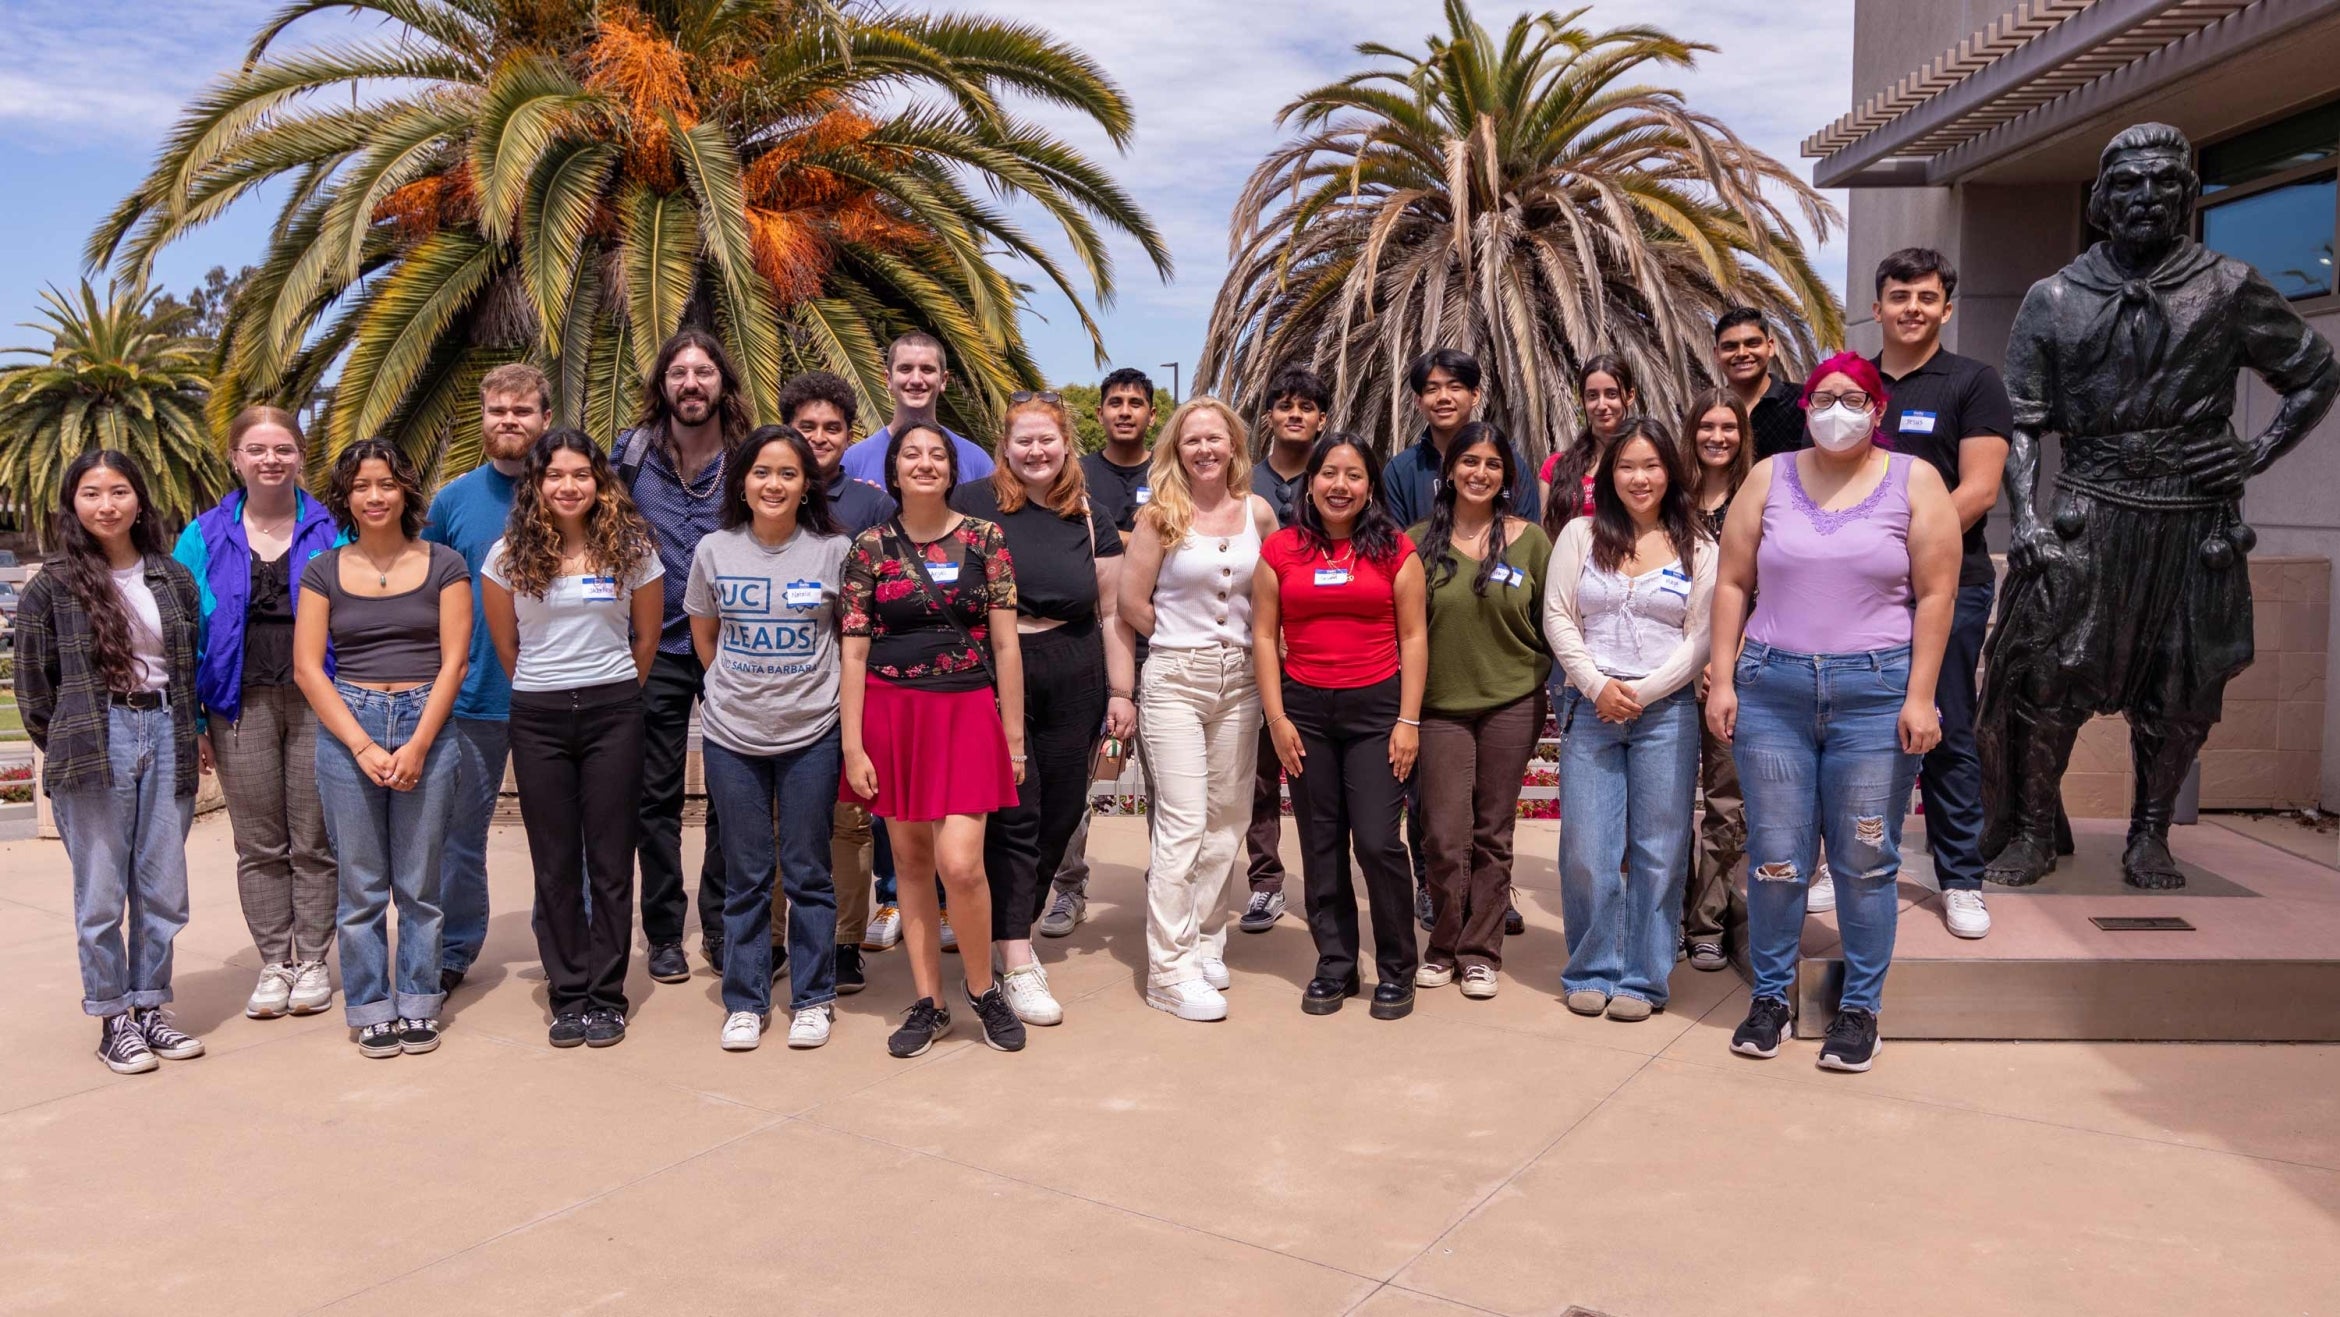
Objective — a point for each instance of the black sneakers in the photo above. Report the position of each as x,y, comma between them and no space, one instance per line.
568,1029
667,963
416,1037
122,1046
712,948
1425,910
379,1040
849,976
604,1027
1852,1041
163,1039
1514,923
1002,1031
924,1022
1759,1034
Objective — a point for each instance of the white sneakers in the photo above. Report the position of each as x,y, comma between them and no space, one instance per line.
312,988
1478,983
1189,999
272,995
1964,913
885,928
302,989
1026,990
743,1031
1822,898
950,936
1215,973
1428,975
810,1028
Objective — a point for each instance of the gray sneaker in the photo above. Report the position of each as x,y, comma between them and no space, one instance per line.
1065,913
1263,912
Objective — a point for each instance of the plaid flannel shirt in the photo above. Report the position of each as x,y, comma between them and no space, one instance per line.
62,696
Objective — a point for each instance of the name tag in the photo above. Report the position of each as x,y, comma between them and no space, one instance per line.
1144,495
601,589
1511,576
1332,576
1674,581
1917,422
802,594
944,573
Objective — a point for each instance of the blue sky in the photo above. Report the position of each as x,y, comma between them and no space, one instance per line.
91,86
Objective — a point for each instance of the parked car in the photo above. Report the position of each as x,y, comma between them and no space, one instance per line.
9,597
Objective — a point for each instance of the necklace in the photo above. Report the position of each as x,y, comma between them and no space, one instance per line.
381,573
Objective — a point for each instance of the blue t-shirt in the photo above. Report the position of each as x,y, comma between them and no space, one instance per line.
867,460
468,516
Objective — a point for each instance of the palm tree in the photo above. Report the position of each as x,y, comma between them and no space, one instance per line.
118,375
569,181
1521,200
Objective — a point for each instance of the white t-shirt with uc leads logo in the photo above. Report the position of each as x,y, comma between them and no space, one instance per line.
772,688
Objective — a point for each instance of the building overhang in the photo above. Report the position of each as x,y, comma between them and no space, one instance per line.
2046,70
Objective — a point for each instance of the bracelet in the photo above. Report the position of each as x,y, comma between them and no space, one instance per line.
1414,723
1017,759
1279,718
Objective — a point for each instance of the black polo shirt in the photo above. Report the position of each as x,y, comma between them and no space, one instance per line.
1778,420
1931,411
1118,491
1282,495
859,504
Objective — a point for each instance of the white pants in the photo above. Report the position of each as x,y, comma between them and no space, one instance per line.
1200,725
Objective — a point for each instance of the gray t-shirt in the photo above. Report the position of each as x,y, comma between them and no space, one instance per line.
772,689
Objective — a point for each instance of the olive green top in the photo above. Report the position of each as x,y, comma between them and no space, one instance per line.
1487,650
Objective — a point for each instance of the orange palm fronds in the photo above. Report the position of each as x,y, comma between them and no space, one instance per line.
423,207
631,62
791,253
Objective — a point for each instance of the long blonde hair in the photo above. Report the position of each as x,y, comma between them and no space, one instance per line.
1171,509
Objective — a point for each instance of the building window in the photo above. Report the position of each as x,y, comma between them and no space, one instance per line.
2271,197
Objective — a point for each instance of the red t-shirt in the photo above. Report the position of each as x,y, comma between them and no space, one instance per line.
1339,611
1552,464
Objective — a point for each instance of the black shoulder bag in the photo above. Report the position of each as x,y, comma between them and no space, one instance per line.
934,594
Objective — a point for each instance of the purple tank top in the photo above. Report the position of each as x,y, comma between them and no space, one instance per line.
1833,582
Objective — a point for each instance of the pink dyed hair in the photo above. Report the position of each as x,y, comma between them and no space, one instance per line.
1853,366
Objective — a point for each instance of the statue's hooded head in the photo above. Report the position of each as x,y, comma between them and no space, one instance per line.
2145,186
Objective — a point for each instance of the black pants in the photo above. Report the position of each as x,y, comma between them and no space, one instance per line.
1346,794
1064,708
1951,784
578,757
675,681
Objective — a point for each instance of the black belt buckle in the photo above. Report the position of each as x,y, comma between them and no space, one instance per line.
137,699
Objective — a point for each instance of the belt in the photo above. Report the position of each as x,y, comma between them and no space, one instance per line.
137,699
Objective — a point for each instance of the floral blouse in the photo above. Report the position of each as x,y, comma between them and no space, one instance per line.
911,640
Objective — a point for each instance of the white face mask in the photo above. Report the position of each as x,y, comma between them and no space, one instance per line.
1840,428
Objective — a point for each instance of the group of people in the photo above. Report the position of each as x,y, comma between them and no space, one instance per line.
909,656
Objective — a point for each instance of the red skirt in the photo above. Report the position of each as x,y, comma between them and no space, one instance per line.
937,753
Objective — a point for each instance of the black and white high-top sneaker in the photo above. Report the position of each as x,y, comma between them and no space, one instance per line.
122,1046
163,1038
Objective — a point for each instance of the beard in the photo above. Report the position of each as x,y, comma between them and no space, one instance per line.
692,409
505,446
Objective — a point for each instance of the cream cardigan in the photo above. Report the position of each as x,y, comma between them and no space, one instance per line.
1564,626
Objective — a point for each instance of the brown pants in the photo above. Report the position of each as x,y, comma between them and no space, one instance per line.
850,854
1707,899
1469,772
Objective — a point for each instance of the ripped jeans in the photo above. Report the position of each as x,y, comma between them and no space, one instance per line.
1818,749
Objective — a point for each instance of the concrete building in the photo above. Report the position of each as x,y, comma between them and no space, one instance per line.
1975,130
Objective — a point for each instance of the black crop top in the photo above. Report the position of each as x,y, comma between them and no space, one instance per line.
1056,578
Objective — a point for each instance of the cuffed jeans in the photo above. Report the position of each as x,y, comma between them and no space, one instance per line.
675,683
127,843
578,757
1064,706
1626,794
1346,793
1951,784
779,809
1200,722
267,760
1819,750
479,749
1469,777
389,845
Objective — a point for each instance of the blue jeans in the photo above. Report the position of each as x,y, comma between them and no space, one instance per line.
1626,791
1952,782
746,789
389,845
1818,746
128,846
480,747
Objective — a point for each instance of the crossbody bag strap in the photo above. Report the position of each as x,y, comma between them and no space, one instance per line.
935,596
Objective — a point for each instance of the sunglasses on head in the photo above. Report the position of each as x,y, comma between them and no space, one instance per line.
1049,396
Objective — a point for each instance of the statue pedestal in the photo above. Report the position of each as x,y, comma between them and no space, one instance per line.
2261,964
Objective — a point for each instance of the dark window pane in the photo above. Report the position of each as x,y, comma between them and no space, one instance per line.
2299,140
2286,232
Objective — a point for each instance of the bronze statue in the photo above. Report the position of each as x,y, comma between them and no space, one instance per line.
2135,596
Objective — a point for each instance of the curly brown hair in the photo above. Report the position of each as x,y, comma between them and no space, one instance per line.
617,539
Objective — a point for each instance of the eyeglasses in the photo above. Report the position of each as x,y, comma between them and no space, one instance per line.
1048,396
1853,398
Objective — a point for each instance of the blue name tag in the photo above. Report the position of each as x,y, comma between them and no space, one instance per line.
802,594
1326,576
1917,422
1144,495
1674,581
601,589
944,573
1511,576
